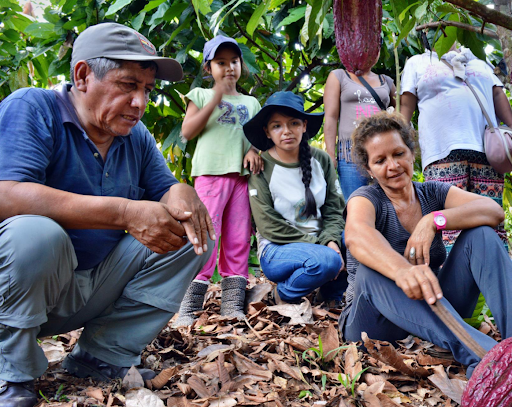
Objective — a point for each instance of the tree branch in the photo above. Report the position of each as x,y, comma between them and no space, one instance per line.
316,105
166,94
252,41
467,27
305,72
489,15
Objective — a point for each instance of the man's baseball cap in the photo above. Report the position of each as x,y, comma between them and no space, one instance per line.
211,46
116,41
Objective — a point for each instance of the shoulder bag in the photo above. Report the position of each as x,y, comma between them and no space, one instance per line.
497,140
372,92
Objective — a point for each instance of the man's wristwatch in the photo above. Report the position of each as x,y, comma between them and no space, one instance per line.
439,220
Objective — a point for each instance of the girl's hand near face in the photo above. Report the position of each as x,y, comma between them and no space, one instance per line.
220,88
253,161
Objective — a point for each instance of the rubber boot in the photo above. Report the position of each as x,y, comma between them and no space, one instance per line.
233,297
191,303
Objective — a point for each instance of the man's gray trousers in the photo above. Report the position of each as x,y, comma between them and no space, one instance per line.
122,303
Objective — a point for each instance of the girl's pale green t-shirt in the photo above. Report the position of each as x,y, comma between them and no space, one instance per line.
222,145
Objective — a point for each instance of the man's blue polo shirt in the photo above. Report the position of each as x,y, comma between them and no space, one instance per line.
42,141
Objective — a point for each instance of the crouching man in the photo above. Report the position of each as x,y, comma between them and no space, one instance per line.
95,231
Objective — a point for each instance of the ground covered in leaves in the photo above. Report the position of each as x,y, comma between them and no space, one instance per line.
281,355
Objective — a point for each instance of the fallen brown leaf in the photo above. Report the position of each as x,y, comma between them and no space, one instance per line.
353,365
330,341
96,393
132,379
386,353
453,388
299,314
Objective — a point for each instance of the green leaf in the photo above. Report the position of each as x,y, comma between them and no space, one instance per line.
421,11
317,19
177,30
256,16
216,24
406,30
249,59
8,48
443,44
175,11
478,314
158,15
275,3
153,4
313,23
10,35
403,14
470,40
446,8
173,139
40,30
13,5
201,6
305,393
398,6
18,22
41,67
18,79
294,15
138,20
328,26
118,5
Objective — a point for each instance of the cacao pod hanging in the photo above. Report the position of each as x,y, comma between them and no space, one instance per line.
491,382
357,27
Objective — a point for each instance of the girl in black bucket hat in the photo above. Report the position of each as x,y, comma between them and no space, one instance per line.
296,203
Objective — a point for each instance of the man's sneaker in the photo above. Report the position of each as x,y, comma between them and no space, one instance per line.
82,364
17,394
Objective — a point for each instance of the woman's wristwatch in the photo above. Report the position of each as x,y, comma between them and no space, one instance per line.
439,220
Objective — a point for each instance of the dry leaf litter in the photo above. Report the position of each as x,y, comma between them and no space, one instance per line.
279,356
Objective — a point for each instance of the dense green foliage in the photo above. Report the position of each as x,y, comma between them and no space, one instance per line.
287,45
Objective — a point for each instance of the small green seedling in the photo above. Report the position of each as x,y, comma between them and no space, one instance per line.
305,393
351,384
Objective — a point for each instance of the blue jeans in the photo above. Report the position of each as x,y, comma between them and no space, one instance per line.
477,262
350,178
300,268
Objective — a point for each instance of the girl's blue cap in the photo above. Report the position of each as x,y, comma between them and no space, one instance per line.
211,46
291,104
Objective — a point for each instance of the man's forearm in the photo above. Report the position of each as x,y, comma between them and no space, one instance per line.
71,211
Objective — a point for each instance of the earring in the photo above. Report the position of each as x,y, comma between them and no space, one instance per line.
371,176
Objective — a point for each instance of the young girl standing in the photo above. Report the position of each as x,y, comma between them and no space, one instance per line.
296,203
221,163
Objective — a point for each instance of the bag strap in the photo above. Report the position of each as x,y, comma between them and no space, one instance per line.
373,93
489,122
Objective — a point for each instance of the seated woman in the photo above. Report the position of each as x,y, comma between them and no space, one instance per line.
395,249
296,202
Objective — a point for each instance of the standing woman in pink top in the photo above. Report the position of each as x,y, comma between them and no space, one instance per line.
347,100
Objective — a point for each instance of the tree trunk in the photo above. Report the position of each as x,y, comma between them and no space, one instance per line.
505,36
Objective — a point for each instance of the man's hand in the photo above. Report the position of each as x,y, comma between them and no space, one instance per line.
156,225
254,161
184,198
419,282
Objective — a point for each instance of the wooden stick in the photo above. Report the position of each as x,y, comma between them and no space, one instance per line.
457,329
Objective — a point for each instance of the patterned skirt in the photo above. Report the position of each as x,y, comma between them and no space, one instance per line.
470,171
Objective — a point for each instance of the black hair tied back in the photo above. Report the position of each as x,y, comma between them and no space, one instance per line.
305,166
